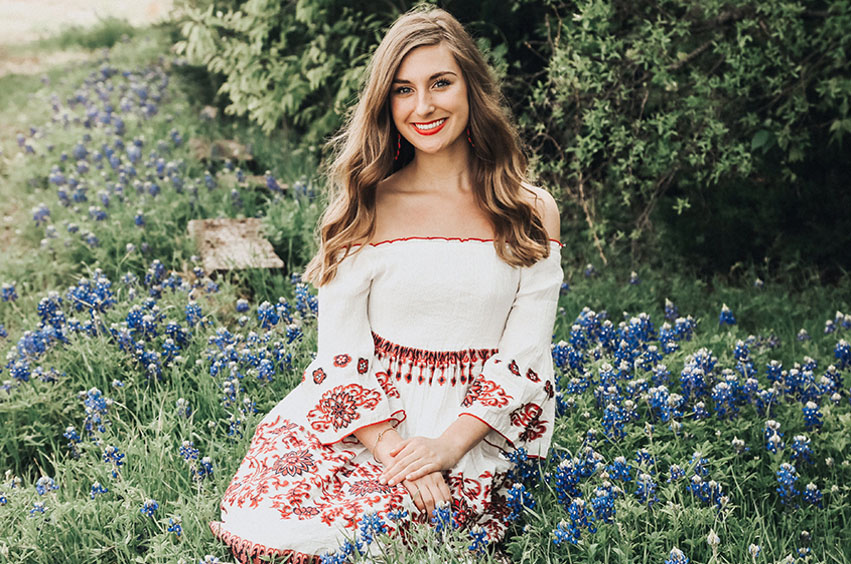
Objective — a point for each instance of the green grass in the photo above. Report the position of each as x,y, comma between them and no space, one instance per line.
145,425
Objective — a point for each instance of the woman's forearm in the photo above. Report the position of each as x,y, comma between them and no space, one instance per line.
463,434
379,446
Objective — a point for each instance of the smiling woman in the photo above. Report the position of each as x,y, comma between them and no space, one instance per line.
439,273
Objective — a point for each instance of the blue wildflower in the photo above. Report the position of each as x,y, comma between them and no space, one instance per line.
786,478
726,317
518,500
677,557
148,507
812,416
812,495
45,484
97,489
175,527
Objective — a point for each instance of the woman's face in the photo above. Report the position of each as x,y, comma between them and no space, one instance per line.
428,99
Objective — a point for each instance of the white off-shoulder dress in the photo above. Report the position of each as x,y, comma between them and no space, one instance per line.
414,331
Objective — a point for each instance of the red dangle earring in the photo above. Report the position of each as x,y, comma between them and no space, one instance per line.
398,146
468,137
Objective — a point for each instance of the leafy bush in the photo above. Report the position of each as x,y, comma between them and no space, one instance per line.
651,102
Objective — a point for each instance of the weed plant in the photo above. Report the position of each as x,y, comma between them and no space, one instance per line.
711,427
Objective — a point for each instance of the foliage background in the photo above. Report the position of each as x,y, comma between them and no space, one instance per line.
704,133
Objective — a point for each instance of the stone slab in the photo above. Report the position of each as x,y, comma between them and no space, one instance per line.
233,244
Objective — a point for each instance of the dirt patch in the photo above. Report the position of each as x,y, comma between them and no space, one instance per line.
23,21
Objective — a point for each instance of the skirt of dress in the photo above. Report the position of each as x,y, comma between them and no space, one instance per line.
295,499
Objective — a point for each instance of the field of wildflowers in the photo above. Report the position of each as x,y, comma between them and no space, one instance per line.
695,424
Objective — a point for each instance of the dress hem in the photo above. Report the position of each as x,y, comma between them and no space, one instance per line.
248,552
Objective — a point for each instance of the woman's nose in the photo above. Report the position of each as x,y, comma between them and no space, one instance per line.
424,104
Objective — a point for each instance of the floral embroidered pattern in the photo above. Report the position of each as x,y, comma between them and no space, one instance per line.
363,365
295,463
386,384
318,376
487,393
339,406
528,416
548,389
423,366
513,368
342,360
532,375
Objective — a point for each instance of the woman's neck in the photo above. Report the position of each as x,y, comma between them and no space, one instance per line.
446,171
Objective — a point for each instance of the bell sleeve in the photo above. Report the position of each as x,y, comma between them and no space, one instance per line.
343,388
514,393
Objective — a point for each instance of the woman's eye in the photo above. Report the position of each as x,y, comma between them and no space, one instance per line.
442,82
402,90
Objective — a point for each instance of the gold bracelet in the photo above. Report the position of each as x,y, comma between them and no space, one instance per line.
381,434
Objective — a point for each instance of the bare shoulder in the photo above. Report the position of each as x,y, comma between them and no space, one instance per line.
547,208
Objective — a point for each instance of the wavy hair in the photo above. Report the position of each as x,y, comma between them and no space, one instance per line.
364,150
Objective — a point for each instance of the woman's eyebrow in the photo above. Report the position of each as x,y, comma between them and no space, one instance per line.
432,77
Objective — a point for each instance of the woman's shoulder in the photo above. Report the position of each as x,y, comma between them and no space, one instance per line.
547,208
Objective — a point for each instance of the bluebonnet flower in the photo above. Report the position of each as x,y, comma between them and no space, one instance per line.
205,468
271,182
812,495
603,503
613,421
194,316
645,460
620,470
726,317
97,489
677,557
96,406
523,468
671,311
590,270
518,499
241,305
786,478
442,518
45,484
182,407
3,333
829,327
812,416
267,315
40,214
803,335
801,450
174,526
676,473
8,292
38,507
842,353
725,407
111,455
634,280
758,284
188,451
397,514
646,490
148,507
209,180
480,541
565,288
73,440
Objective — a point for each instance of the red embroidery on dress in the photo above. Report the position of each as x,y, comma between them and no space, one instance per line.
363,365
512,367
532,375
426,366
528,416
318,376
342,360
386,384
295,463
487,393
340,406
548,388
366,487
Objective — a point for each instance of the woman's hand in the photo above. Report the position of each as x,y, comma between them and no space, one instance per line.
417,457
428,491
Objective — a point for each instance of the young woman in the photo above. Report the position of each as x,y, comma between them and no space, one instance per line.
438,275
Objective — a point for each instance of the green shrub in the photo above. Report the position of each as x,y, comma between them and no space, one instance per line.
649,103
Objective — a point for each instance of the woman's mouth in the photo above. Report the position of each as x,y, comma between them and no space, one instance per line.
429,128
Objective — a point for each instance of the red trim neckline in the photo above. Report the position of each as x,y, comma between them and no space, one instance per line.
459,239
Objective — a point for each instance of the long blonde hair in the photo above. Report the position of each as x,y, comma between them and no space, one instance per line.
364,151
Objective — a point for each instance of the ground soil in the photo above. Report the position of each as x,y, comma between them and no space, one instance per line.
23,21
